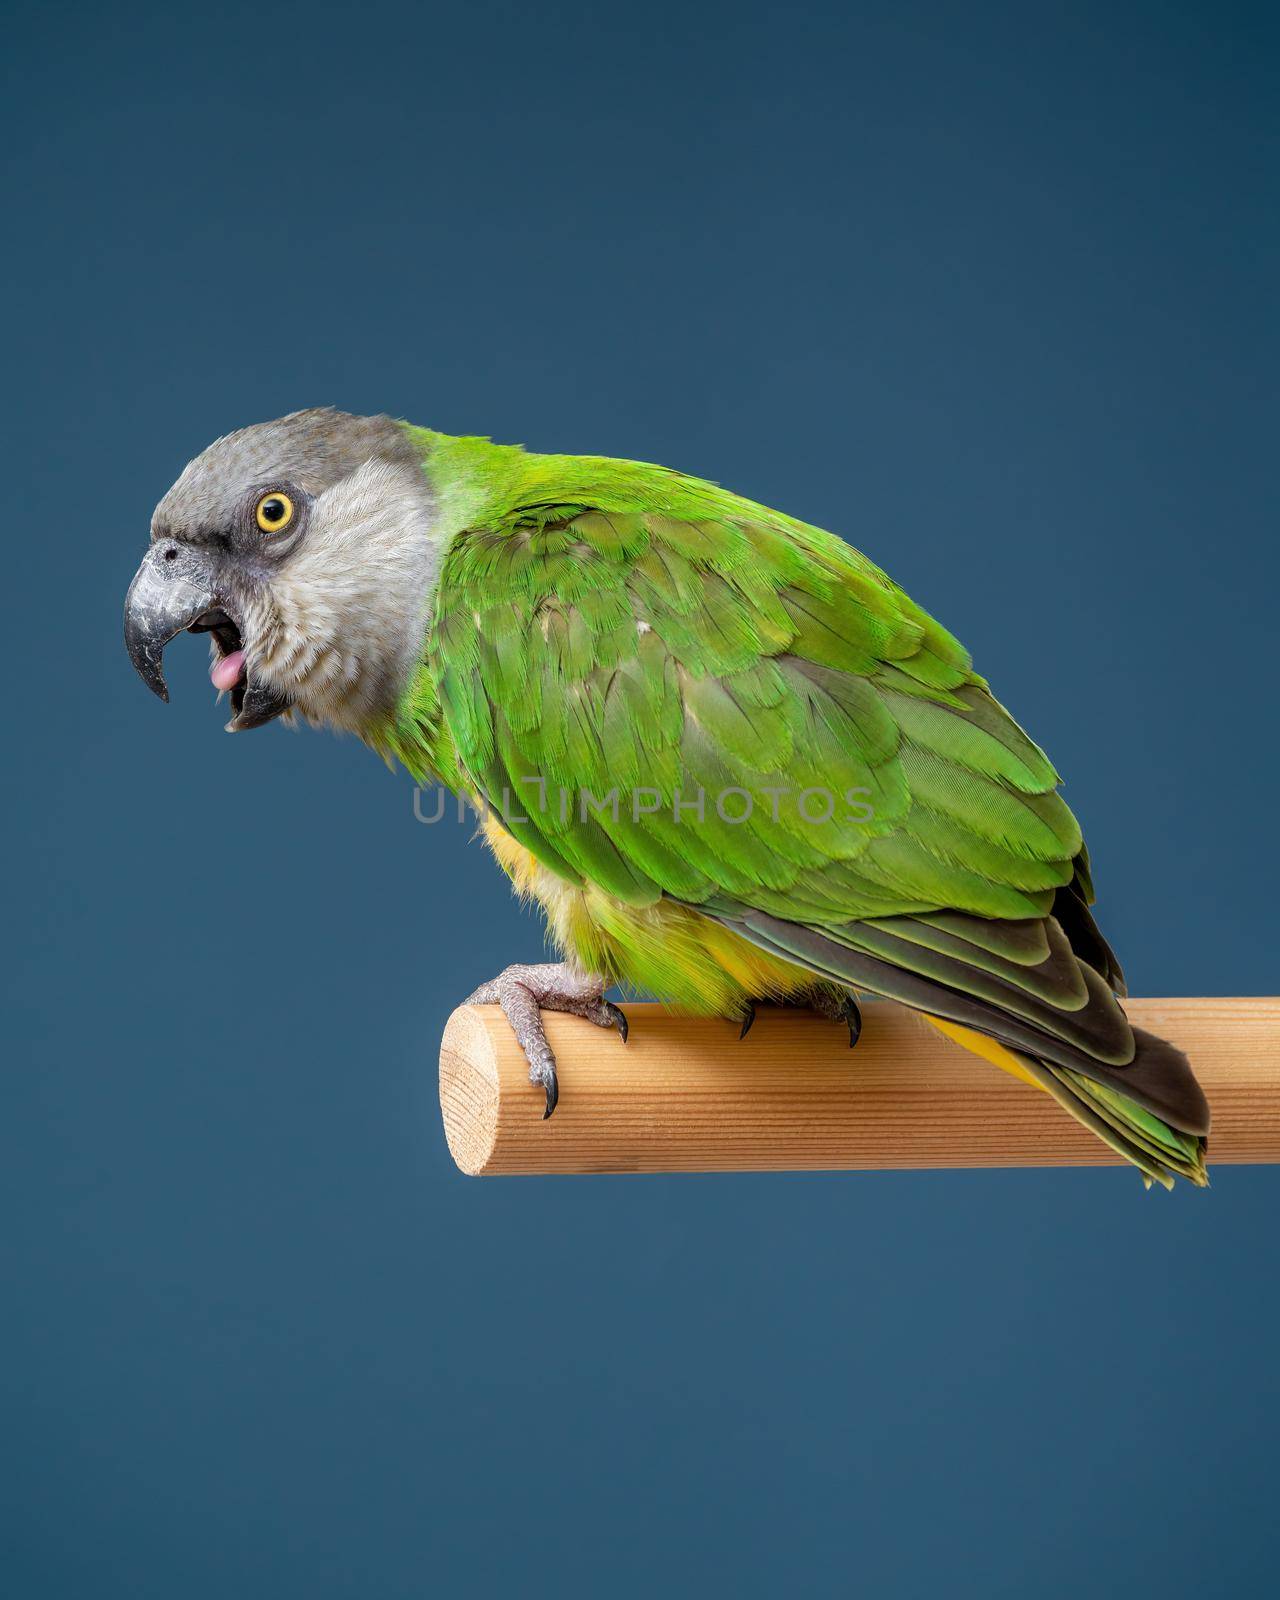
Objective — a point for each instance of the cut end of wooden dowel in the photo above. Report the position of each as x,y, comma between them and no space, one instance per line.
469,1090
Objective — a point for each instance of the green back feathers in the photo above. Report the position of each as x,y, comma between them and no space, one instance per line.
606,625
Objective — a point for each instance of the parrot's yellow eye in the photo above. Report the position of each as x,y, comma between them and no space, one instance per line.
275,511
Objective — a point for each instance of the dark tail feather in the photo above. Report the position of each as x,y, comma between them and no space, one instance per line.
1157,1150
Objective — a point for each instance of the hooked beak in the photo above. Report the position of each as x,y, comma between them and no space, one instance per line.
175,590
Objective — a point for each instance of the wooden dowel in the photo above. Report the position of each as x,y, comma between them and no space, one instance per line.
686,1095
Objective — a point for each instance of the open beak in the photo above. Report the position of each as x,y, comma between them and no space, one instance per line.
176,590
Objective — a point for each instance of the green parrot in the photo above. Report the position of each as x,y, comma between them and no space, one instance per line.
730,759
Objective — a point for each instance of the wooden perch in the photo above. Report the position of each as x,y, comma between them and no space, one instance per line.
686,1095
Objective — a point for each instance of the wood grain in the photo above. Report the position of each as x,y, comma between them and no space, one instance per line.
686,1095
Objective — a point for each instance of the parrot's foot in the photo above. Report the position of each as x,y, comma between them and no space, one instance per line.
846,1010
838,1008
524,993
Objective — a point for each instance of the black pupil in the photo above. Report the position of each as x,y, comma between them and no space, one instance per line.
273,510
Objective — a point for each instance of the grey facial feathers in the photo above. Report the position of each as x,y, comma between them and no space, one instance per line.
338,622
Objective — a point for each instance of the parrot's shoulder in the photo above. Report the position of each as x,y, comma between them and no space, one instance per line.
485,487
492,497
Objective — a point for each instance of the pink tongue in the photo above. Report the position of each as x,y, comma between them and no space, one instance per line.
227,671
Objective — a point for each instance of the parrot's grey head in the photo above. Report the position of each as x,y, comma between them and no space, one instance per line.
305,549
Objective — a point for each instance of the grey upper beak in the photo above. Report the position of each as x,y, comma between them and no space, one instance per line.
170,589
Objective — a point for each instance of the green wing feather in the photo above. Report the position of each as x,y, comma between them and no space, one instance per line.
625,647
649,632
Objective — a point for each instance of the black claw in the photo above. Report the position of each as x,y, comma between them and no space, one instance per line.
748,1018
553,1094
619,1019
852,1014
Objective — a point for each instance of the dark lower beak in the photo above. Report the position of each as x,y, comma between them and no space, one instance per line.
174,589
255,705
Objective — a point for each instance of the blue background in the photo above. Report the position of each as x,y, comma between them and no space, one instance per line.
988,289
